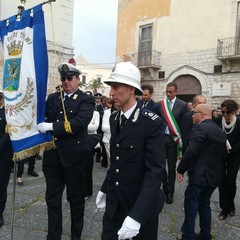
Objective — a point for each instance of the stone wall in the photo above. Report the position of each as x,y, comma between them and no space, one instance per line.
201,65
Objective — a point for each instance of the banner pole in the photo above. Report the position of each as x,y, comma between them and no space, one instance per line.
13,198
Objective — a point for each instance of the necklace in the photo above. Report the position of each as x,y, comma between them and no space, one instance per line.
229,127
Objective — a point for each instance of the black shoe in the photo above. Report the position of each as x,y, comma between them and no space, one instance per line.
87,197
232,213
33,173
169,199
75,238
1,220
39,157
223,215
199,237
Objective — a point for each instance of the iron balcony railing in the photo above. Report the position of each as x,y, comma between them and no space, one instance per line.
144,59
228,48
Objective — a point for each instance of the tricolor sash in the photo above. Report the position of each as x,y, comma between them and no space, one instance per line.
172,124
25,80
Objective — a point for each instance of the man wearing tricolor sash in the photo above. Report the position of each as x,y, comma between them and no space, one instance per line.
172,110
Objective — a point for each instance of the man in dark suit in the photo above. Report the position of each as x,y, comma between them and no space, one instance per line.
173,138
187,120
131,190
203,161
64,165
146,101
6,154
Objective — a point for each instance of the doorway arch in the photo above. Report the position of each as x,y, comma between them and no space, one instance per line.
190,82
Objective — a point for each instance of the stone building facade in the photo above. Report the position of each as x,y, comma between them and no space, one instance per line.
193,43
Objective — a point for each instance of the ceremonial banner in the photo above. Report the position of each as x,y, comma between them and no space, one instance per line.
25,80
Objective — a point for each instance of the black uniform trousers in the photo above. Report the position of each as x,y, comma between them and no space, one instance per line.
171,154
148,231
88,172
5,172
57,177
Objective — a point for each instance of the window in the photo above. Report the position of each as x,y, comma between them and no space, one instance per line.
84,79
145,45
145,39
99,80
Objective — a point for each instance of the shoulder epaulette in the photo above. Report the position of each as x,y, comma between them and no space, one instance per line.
149,114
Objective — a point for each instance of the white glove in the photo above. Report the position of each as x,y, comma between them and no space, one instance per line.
43,127
101,200
130,228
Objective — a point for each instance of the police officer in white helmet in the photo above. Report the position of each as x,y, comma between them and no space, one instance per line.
131,190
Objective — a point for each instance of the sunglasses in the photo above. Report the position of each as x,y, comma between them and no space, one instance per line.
68,78
225,112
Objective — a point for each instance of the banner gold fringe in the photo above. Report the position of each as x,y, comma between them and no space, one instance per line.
19,156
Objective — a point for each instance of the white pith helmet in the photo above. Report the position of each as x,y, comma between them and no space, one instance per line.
126,73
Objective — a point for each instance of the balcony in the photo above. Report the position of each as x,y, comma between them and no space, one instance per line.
228,48
144,60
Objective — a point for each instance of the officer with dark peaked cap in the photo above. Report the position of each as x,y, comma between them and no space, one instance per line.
97,95
131,190
64,165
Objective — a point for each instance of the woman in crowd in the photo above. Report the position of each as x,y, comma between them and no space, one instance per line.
6,154
92,132
106,127
230,124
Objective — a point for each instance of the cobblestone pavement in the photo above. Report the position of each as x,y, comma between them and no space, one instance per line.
31,213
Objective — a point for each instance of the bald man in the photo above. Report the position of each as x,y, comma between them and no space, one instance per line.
187,120
203,162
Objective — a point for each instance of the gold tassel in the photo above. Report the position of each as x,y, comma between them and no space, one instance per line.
67,125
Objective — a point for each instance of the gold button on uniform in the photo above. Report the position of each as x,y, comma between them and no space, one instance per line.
117,183
117,170
117,145
131,146
55,139
117,158
61,112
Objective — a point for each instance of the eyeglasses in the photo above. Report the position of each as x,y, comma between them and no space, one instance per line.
225,112
68,78
194,112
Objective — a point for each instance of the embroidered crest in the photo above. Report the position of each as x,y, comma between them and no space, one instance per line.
12,76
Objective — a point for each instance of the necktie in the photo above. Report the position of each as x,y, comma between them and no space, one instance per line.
123,121
66,98
144,104
171,104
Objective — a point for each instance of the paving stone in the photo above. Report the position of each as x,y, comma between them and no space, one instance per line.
31,212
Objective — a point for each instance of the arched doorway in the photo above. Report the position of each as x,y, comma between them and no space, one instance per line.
188,87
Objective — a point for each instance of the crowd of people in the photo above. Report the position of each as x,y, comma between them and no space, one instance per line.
139,141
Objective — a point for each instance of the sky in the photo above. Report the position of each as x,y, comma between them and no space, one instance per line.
94,30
